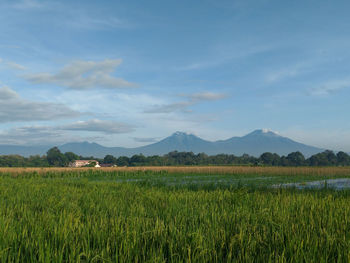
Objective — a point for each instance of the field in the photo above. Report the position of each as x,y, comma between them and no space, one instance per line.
172,214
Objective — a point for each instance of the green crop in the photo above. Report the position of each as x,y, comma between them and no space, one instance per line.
138,216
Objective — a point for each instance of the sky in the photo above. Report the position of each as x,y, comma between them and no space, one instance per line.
129,73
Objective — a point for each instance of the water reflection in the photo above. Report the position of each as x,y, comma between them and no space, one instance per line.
338,184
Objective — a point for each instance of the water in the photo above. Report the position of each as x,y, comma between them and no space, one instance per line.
337,184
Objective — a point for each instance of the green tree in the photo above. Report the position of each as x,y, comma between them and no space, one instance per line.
123,161
319,159
110,159
331,157
138,160
343,158
71,156
295,159
56,158
270,158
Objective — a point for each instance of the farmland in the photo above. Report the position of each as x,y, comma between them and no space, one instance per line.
172,214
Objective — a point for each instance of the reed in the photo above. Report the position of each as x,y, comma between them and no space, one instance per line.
322,171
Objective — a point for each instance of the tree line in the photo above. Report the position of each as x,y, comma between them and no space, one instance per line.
55,158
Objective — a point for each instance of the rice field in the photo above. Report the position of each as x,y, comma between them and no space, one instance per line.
172,214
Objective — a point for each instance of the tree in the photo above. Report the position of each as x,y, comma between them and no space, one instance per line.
56,158
91,164
138,160
343,158
123,161
71,156
319,159
110,159
284,161
295,159
331,157
270,159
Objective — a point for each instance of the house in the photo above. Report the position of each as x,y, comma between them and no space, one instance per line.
82,163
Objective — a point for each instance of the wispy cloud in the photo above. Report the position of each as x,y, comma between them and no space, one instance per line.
40,135
87,22
192,99
13,108
83,75
282,74
95,125
205,96
224,54
28,4
15,66
295,69
168,108
32,135
12,65
329,88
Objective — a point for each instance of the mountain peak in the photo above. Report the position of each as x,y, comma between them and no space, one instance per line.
179,133
263,132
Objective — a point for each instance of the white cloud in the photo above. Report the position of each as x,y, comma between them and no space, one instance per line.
14,108
83,75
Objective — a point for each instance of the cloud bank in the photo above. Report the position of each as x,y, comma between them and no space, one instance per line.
82,75
39,135
105,126
13,108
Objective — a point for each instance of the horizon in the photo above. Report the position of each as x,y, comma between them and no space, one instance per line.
128,75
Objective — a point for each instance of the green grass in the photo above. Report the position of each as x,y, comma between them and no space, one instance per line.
100,216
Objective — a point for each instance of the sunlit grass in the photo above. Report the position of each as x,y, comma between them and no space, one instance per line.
89,215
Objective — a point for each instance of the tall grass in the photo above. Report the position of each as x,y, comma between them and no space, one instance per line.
62,216
322,171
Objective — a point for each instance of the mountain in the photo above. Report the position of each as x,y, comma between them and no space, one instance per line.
179,141
254,143
260,141
23,150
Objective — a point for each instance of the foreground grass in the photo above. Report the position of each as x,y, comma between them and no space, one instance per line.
76,219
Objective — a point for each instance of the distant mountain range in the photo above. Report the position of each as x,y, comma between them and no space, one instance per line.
254,143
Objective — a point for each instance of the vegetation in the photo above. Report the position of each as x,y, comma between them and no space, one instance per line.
55,158
130,215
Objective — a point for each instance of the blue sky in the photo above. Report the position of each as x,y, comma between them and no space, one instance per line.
127,73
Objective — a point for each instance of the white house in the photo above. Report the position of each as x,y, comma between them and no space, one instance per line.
81,163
